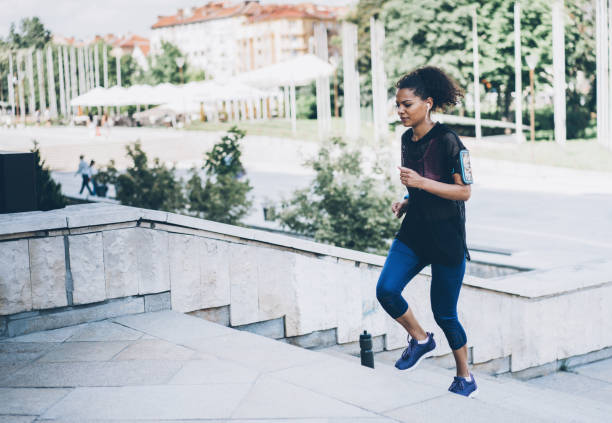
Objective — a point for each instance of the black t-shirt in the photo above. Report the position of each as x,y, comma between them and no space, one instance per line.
434,228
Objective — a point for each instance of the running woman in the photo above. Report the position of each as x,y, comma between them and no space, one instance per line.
436,171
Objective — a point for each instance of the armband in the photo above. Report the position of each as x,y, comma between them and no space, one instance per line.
466,167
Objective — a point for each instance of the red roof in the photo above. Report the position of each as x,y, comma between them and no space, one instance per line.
254,12
127,42
293,11
210,11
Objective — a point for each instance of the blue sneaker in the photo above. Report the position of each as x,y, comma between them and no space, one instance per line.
415,352
462,387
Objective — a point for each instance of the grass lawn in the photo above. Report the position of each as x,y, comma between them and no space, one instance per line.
306,129
575,154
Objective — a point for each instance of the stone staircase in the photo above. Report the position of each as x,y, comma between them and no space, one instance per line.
501,398
168,366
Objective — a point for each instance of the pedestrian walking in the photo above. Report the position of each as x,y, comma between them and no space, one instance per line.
92,172
436,172
83,170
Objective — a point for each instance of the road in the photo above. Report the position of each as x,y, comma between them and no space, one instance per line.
541,214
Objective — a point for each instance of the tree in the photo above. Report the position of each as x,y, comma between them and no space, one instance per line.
439,33
131,72
360,15
342,206
163,67
151,187
223,197
32,33
48,192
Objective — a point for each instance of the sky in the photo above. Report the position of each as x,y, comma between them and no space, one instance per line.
84,19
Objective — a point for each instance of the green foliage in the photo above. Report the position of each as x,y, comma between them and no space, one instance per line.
222,197
131,73
48,192
31,33
163,67
439,33
306,102
194,74
151,187
342,206
360,15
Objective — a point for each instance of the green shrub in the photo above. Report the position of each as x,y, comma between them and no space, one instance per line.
342,206
151,187
223,196
48,192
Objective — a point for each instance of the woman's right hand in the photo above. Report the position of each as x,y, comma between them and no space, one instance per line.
399,208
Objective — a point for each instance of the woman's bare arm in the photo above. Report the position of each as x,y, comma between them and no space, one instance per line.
457,191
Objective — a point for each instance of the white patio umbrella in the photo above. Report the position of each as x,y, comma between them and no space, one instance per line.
299,71
95,97
295,72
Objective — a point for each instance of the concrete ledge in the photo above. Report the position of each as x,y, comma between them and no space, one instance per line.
556,281
313,294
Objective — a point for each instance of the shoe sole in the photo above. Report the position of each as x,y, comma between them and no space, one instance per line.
427,354
473,394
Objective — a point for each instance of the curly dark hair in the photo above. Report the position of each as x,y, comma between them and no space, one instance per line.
430,81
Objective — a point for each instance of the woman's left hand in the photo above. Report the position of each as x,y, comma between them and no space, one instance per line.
410,178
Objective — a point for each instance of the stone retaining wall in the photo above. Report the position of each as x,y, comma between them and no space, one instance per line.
100,255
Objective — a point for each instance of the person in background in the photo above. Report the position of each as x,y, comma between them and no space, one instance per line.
47,117
92,176
83,170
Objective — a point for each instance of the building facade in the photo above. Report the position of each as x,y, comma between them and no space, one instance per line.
131,44
225,38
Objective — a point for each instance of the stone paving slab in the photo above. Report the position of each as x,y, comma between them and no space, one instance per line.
456,409
83,351
174,327
576,384
54,335
601,370
256,351
271,398
154,349
355,385
296,420
17,419
29,400
150,402
213,370
20,353
105,331
119,373
182,368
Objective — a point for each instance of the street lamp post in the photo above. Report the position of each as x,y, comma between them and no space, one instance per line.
532,61
180,62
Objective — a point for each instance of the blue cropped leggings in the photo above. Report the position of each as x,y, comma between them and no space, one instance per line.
401,266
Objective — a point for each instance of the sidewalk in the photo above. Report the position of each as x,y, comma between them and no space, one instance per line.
166,366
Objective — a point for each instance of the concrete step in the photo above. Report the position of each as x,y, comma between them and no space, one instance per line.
499,394
172,367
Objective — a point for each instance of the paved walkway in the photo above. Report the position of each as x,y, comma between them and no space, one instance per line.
167,366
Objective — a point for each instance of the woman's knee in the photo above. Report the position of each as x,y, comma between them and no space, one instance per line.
454,332
383,292
390,298
386,287
446,321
